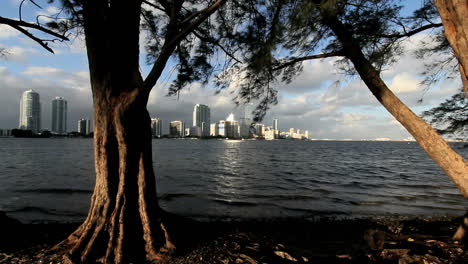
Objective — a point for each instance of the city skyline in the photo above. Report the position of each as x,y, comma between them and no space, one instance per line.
321,100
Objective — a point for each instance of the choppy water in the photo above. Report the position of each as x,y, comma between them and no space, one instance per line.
52,179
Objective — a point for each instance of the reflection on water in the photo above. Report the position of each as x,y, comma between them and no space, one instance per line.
52,179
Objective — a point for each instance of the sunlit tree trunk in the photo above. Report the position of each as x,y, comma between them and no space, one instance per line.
124,221
450,161
454,14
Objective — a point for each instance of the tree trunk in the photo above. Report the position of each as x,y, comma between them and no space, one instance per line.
454,14
450,161
124,222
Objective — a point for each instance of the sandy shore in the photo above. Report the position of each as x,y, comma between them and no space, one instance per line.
380,240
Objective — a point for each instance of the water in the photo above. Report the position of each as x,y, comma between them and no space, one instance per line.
52,179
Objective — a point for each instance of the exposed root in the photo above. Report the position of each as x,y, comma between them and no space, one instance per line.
460,235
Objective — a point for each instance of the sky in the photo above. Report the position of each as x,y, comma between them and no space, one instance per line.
313,101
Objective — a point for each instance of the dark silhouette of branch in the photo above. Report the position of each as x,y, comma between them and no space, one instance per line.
210,40
311,57
21,25
170,44
412,32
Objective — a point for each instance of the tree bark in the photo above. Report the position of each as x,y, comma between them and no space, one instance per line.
450,161
454,14
124,223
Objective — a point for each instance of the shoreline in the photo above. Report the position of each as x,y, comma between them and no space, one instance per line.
281,240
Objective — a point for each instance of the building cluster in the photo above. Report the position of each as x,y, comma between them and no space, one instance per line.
228,128
30,115
30,119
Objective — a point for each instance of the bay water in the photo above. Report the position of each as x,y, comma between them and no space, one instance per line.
51,180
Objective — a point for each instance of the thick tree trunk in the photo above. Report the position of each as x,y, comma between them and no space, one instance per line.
454,14
450,161
124,222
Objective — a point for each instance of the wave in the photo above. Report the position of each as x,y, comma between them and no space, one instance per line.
54,191
235,203
35,209
172,196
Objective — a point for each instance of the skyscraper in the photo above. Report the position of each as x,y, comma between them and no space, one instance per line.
176,128
156,127
30,111
59,115
275,124
84,126
201,118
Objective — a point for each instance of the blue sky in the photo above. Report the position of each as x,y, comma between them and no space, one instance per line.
311,102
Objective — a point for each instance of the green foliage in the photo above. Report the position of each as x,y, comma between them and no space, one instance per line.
276,36
451,116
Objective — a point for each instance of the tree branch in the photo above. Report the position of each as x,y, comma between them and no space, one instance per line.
311,57
412,32
18,25
170,45
154,6
217,44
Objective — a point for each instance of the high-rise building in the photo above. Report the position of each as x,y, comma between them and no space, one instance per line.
231,127
275,124
276,131
214,130
201,118
222,128
30,111
176,129
84,126
59,115
260,130
156,127
245,124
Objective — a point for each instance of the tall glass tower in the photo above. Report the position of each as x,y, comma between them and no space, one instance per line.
201,118
156,127
30,111
59,115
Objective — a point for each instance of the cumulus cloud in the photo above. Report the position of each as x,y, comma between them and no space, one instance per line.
8,32
18,54
13,85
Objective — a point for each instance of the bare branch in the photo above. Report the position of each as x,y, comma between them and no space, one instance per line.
18,25
412,32
154,6
311,57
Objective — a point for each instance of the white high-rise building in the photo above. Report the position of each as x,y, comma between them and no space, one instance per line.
59,115
84,126
156,127
214,130
201,118
30,111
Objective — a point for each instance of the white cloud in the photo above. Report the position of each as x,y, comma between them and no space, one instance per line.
44,71
405,83
19,54
8,32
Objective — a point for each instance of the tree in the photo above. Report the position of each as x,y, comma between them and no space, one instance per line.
455,20
365,34
125,223
451,116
